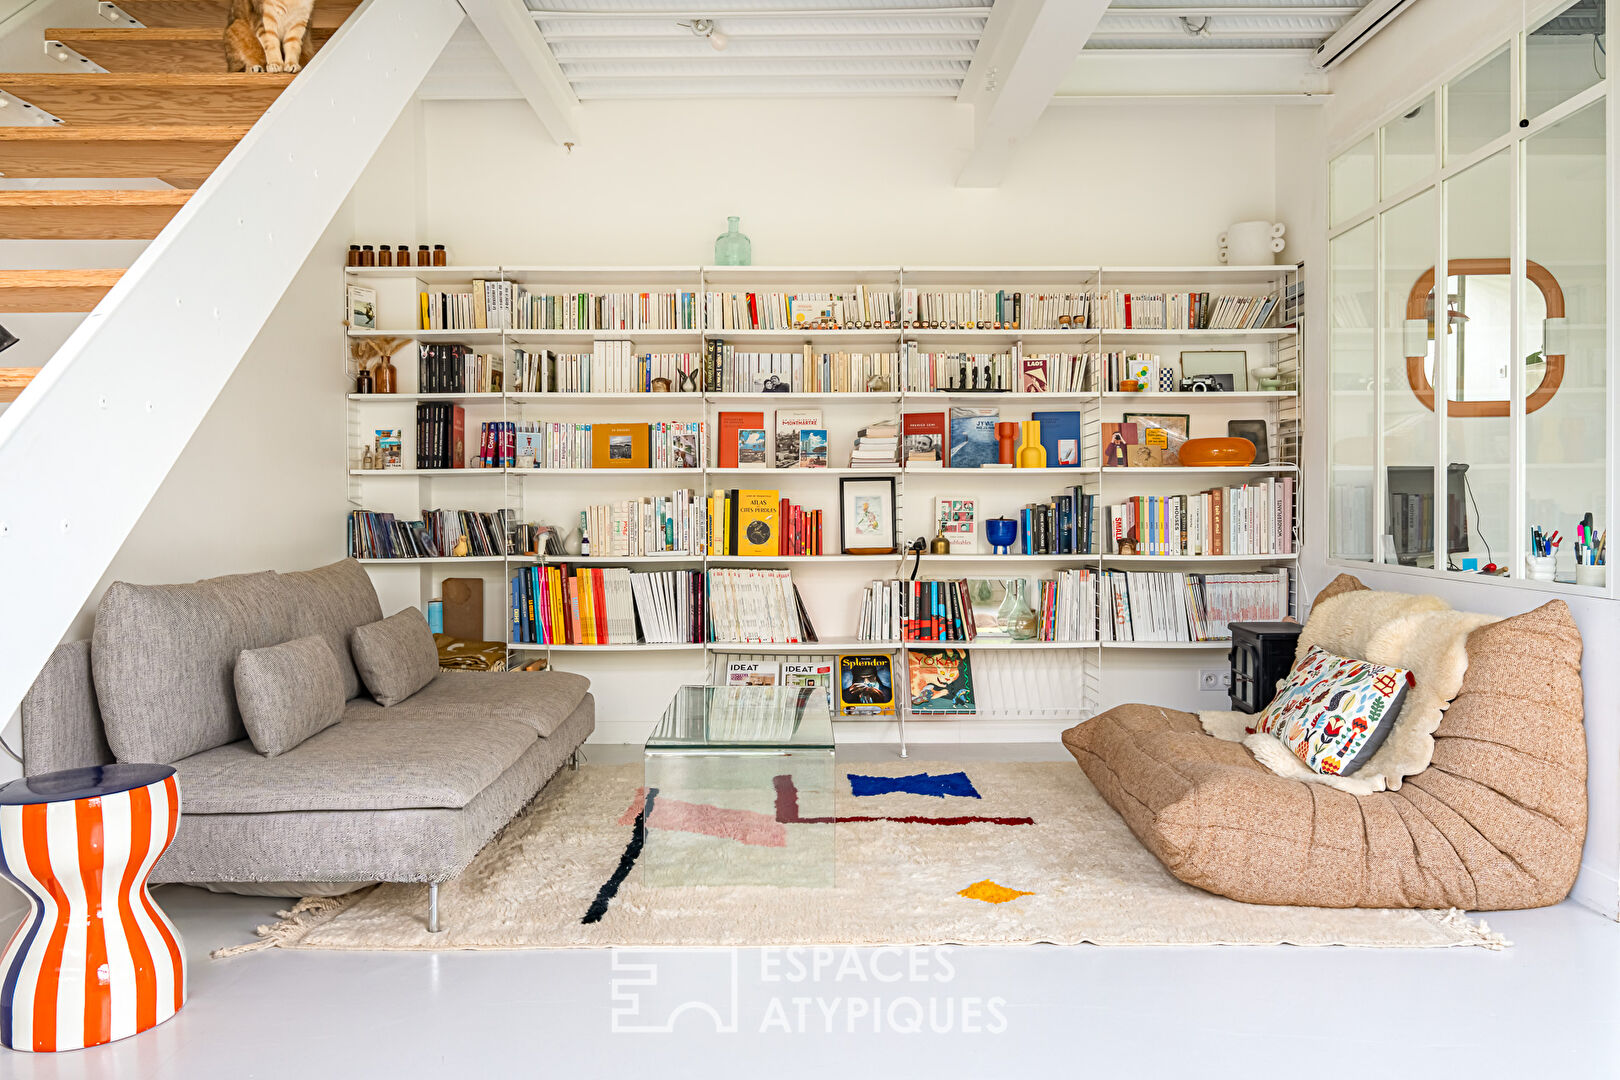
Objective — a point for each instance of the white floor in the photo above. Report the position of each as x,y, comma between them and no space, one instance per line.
1548,1007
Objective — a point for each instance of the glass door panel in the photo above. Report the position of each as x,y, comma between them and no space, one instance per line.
1409,429
1352,446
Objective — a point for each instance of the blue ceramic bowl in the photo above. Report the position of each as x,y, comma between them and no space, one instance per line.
1001,532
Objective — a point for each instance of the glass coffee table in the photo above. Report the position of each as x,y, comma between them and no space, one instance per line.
740,788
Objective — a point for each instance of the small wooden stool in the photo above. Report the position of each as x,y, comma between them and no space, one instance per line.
95,960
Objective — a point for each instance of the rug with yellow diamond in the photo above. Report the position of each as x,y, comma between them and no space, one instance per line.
920,853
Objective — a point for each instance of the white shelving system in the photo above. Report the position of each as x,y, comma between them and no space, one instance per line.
1056,682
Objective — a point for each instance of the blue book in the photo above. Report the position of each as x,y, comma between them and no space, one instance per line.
973,437
1060,436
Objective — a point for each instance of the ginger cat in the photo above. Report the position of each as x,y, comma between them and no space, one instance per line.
267,35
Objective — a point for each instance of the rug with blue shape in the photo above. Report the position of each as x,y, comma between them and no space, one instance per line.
939,786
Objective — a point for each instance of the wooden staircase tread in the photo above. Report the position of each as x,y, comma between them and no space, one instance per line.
211,13
89,214
14,379
64,197
137,80
52,291
159,48
125,132
147,98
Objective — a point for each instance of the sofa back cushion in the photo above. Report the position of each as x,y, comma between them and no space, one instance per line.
288,692
331,601
61,722
164,659
396,656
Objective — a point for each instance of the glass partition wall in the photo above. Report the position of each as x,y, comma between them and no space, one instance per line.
1469,422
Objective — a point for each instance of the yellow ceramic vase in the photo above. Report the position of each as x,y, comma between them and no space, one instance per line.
1031,455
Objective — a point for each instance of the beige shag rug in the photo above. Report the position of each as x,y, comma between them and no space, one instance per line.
1050,862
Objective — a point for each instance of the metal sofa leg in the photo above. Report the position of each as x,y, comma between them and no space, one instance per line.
433,908
573,761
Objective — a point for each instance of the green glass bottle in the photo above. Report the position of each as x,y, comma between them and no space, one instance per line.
732,248
1015,614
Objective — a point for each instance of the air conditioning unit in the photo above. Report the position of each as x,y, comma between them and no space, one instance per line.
1357,31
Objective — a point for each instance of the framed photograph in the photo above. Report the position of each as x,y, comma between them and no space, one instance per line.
866,515
1233,364
1174,427
1255,432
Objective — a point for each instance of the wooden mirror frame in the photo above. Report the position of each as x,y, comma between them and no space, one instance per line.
1417,309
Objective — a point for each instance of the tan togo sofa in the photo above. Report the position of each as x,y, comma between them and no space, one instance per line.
1495,822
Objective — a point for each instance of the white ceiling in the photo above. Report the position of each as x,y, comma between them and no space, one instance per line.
916,48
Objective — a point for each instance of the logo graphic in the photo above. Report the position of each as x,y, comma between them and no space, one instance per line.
705,987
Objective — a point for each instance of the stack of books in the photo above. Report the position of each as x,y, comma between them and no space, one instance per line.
374,535
669,604
1068,607
595,311
1187,607
760,523
877,446
1248,519
649,526
859,309
984,309
754,606
592,605
456,369
1183,311
807,370
921,610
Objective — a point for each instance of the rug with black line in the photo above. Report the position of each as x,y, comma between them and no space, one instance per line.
897,853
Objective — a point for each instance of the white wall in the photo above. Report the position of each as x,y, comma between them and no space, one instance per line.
260,485
1433,40
816,183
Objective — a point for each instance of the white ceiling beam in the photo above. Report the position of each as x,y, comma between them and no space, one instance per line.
510,32
1114,74
1023,62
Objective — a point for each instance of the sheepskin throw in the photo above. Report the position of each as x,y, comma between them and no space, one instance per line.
1420,633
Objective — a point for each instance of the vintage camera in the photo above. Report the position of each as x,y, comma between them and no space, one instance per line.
1207,384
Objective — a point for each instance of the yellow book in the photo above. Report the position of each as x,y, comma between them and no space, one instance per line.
587,608
424,299
757,522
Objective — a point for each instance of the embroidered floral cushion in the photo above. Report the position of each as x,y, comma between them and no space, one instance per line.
1334,712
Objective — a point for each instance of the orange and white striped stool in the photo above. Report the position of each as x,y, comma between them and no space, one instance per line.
95,960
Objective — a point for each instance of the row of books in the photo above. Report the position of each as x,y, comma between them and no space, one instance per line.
558,604
373,535
999,309
558,444
502,305
743,522
917,610
672,524
457,369
586,605
441,441
611,367
1156,606
860,308
1118,310
1068,607
1062,525
1248,519
805,370
1037,373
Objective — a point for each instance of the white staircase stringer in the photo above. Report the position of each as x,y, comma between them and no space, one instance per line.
136,378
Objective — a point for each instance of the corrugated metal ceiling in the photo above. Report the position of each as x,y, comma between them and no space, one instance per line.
916,48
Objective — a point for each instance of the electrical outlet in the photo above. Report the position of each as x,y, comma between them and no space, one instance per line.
1215,679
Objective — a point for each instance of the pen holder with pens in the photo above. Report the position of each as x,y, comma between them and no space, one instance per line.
1541,567
1596,575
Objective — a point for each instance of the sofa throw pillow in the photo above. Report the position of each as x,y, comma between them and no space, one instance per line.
1334,712
288,692
395,656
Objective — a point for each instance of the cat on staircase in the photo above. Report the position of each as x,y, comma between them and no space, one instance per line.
266,35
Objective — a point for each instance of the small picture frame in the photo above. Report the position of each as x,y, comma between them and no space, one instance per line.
1255,432
1232,363
1174,425
866,517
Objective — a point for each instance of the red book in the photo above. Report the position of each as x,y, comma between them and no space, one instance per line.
931,426
783,547
1127,311
458,437
730,424
599,605
753,312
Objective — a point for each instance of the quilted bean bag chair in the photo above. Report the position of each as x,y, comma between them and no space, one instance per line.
1495,821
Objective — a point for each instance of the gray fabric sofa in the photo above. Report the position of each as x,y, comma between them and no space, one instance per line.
405,793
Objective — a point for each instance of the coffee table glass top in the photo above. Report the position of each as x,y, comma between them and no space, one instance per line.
745,718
